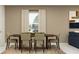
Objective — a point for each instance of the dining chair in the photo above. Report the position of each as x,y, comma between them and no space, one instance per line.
26,40
39,40
54,39
11,40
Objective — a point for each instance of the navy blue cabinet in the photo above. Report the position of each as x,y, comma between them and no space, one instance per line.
74,25
73,39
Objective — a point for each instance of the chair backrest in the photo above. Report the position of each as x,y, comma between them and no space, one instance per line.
39,36
26,36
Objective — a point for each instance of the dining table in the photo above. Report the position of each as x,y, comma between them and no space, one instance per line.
32,34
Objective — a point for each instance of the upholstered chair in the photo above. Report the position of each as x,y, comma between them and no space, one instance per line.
54,39
39,40
26,41
11,39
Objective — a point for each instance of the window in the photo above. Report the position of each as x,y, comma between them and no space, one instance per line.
33,20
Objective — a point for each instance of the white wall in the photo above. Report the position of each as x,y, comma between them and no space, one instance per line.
2,29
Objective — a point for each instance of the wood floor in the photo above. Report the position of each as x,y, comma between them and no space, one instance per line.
53,50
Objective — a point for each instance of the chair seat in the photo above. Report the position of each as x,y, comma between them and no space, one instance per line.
52,40
39,43
13,40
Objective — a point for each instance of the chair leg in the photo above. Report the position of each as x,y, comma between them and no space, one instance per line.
7,45
49,44
21,46
35,45
16,44
29,45
58,47
57,43
43,46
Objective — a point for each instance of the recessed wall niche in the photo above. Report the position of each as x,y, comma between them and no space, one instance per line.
73,19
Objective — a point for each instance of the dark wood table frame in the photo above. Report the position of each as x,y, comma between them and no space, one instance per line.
46,35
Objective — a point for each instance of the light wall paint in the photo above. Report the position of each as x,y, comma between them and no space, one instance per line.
2,29
57,19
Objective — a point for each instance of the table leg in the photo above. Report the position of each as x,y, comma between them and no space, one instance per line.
46,42
58,46
19,42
